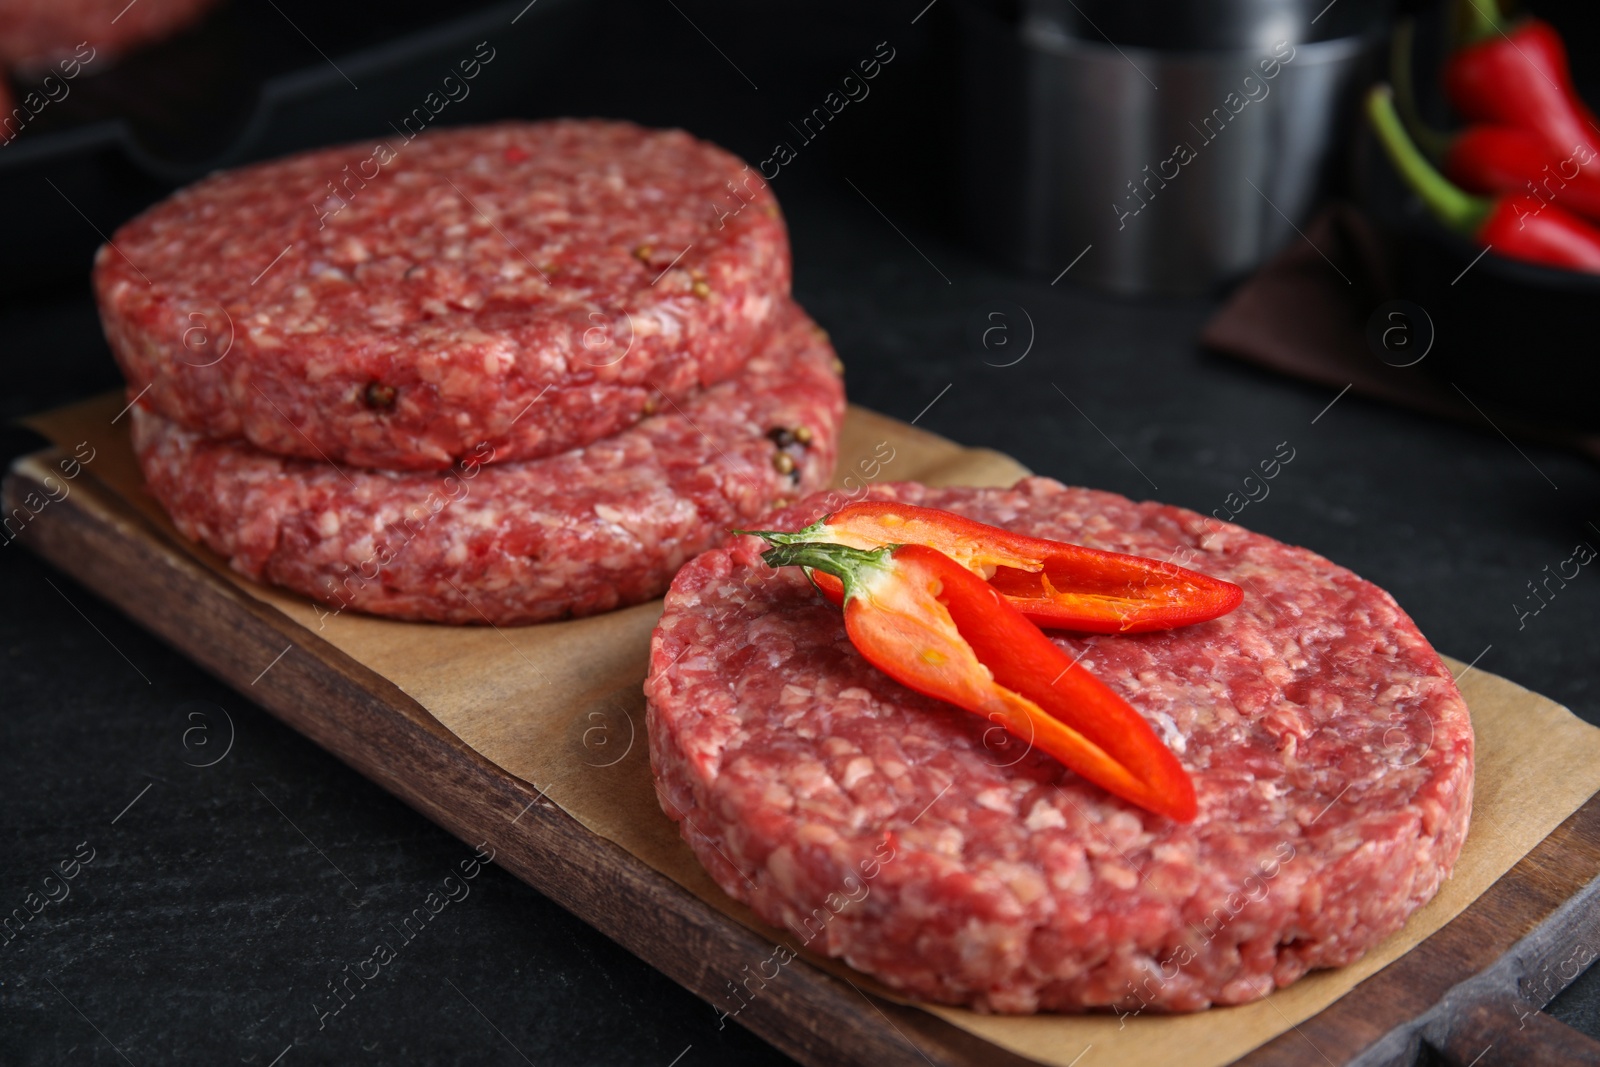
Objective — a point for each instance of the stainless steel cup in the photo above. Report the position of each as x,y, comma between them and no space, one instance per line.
1166,170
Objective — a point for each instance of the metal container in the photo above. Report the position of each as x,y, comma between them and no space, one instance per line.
1146,168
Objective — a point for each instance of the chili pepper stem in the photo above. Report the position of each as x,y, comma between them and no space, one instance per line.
1477,20
1458,210
779,537
852,566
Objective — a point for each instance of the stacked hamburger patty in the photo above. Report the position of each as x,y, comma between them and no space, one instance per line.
502,374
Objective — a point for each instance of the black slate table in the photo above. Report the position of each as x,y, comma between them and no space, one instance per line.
222,900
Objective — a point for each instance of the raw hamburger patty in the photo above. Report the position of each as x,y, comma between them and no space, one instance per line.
589,530
38,31
1330,750
534,285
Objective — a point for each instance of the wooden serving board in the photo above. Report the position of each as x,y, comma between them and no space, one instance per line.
1471,991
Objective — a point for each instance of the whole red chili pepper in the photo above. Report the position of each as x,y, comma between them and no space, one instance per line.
1516,226
1517,75
934,626
1495,158
1053,583
1506,159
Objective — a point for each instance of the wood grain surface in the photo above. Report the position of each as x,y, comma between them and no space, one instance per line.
1471,990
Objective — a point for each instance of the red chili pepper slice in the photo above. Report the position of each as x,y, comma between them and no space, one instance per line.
1053,583
1514,226
1517,75
934,626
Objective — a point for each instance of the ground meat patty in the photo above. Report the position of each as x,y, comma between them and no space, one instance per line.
589,530
534,285
39,31
1329,747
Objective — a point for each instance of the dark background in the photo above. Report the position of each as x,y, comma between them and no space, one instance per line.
221,902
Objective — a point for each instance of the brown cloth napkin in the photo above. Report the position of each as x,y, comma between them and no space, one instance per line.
1305,315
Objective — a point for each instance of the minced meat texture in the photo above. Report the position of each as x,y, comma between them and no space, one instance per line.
395,304
589,530
1329,748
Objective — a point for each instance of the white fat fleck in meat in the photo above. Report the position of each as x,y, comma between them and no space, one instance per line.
1044,816
996,799
793,696
1024,883
855,771
811,779
1166,728
817,835
1117,872
499,358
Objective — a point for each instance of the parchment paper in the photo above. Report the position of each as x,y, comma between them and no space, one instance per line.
559,706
